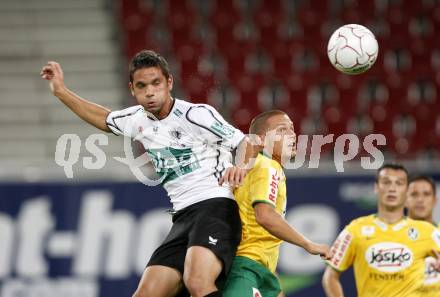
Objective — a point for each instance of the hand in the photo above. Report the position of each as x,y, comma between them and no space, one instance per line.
234,176
54,74
319,249
436,264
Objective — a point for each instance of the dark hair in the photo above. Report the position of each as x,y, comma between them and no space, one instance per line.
393,166
258,123
425,178
147,58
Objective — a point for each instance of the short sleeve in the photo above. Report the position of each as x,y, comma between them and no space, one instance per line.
121,122
343,250
213,127
436,238
264,185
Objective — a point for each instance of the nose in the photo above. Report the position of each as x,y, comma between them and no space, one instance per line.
149,91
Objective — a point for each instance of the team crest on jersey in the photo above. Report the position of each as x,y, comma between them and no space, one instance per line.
389,257
256,293
176,134
413,234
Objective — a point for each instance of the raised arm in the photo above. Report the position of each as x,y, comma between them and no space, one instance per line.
331,283
90,112
276,225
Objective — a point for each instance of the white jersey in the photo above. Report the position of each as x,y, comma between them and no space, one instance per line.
190,148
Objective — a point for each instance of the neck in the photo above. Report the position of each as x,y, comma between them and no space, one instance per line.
166,109
428,219
390,216
273,156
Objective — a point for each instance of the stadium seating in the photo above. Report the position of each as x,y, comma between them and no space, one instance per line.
272,54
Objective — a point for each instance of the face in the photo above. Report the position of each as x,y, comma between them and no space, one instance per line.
281,132
152,90
391,188
420,200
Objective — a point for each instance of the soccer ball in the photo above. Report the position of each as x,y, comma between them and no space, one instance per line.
352,49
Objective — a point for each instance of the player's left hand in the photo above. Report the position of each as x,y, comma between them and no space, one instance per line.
234,176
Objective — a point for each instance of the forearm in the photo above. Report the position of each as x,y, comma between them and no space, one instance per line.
331,284
90,112
276,225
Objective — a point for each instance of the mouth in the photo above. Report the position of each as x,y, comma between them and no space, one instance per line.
391,198
419,208
151,104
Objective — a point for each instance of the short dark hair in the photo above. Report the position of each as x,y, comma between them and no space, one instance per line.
148,58
258,123
394,166
425,178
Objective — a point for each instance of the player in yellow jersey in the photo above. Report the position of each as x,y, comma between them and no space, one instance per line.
420,202
262,205
387,249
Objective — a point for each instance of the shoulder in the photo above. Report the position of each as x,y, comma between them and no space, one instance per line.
422,225
357,224
363,220
129,111
194,110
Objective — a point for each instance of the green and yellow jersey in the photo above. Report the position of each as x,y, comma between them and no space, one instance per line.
388,259
265,183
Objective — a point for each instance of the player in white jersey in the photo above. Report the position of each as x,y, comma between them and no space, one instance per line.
190,146
420,203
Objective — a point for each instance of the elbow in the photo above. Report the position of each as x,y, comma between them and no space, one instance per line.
263,219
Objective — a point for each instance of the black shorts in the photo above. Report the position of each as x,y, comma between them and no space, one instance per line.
213,223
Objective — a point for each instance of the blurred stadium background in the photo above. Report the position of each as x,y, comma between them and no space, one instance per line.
92,234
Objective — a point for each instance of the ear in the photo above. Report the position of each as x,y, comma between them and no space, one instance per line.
170,83
130,86
375,188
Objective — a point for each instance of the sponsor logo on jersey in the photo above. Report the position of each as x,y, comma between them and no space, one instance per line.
413,234
177,112
224,130
273,186
340,247
389,256
397,277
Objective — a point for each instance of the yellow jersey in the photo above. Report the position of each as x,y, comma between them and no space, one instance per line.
265,183
388,259
431,286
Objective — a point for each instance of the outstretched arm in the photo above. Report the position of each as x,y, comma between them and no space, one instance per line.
276,225
90,112
331,283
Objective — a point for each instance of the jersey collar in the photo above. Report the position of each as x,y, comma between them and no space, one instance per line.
395,227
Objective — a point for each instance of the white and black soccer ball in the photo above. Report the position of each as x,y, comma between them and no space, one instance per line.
352,49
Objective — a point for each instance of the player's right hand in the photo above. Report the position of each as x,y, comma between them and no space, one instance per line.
54,74
319,249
